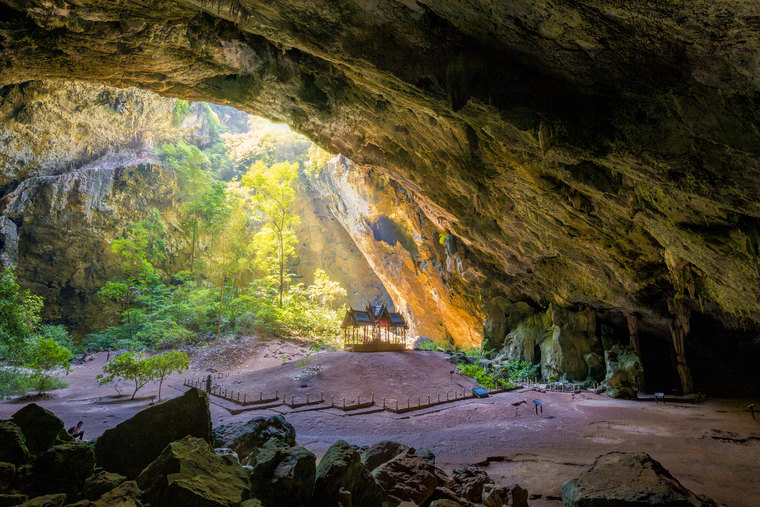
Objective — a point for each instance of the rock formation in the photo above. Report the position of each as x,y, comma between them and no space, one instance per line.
426,278
632,479
574,149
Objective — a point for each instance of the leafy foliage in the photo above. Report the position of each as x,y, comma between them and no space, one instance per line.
489,379
523,370
181,111
164,365
129,366
42,350
43,358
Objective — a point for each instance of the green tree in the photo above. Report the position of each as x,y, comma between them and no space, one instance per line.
19,314
122,292
43,357
165,364
139,248
128,366
273,199
324,290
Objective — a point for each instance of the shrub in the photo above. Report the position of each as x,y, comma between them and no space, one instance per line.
523,370
488,379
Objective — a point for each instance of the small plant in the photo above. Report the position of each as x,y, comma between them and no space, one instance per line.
435,346
314,348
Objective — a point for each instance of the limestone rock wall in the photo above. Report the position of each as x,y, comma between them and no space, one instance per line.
425,279
65,225
324,244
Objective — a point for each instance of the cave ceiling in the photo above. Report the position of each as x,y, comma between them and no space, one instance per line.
586,153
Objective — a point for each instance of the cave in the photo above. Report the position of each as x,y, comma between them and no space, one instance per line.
570,183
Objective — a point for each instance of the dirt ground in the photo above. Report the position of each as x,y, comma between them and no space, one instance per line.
713,448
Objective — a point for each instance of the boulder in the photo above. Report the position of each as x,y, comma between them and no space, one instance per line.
40,427
135,443
624,372
420,341
7,476
445,502
226,451
57,500
408,477
504,496
127,494
283,476
254,502
468,483
247,438
99,484
442,493
632,480
63,468
189,473
341,469
12,444
380,452
462,358
11,500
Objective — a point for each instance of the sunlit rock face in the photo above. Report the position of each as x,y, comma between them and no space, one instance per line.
572,148
425,278
323,243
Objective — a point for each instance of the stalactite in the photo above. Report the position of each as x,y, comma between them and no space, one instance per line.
633,330
679,328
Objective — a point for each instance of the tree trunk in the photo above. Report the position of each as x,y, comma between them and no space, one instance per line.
192,255
129,320
159,388
282,264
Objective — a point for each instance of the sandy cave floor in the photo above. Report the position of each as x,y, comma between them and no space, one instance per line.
713,448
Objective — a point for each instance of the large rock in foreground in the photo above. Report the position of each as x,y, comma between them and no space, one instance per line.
12,444
633,480
408,477
41,428
381,452
468,483
63,469
189,473
283,476
135,443
247,438
342,477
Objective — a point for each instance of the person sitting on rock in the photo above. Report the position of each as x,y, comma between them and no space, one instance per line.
76,431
